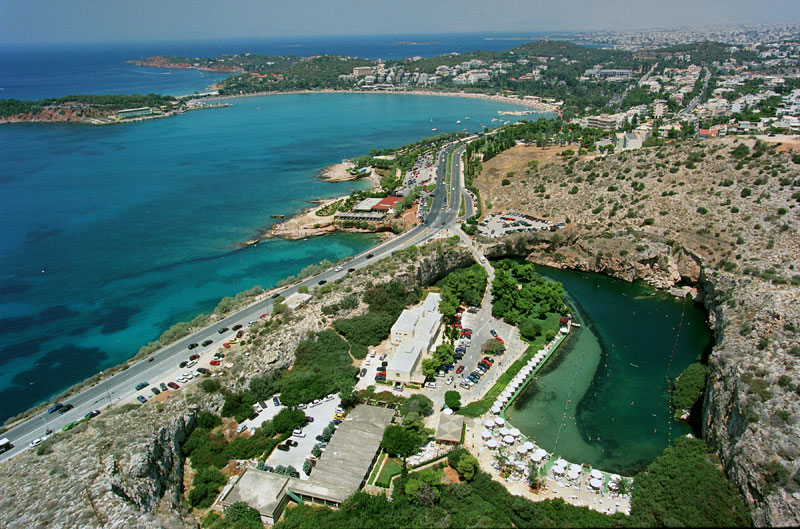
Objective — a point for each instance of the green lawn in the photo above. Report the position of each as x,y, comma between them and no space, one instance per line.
377,466
392,468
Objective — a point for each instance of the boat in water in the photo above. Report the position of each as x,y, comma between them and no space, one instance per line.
458,122
434,130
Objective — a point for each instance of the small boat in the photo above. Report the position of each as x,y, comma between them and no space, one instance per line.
466,117
458,122
576,324
434,130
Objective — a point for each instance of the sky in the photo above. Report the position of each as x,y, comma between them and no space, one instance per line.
124,20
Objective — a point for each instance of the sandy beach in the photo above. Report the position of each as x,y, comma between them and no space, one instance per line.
339,172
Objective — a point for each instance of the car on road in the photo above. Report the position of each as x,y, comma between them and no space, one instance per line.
141,399
142,385
351,270
192,345
65,408
459,369
91,414
163,386
55,407
214,362
222,330
275,295
155,391
173,385
207,342
370,255
321,282
194,357
36,442
69,426
493,333
337,269
236,327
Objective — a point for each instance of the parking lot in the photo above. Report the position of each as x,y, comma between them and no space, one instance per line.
504,223
296,456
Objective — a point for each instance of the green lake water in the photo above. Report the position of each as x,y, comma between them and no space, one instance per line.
602,398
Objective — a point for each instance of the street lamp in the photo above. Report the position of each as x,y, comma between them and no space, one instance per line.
107,392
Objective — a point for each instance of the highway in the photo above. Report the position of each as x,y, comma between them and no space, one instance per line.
443,214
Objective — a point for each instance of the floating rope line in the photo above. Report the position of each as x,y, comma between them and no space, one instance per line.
666,375
566,404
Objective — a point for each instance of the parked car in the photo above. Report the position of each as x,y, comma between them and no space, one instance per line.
141,399
298,433
173,385
192,345
203,370
194,357
339,416
320,439
330,397
499,339
142,385
236,327
363,371
163,386
55,407
284,447
155,391
70,426
242,427
65,408
302,406
493,333
291,442
214,362
275,401
316,402
207,342
222,330
226,345
183,364
459,369
240,334
449,380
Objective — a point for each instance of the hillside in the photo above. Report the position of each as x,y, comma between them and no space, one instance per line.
720,215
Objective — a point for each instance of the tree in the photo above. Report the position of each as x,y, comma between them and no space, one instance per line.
429,366
452,400
419,404
530,329
467,466
288,419
307,466
492,346
400,441
241,511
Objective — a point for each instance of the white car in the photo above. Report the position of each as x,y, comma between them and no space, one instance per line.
298,433
195,374
188,376
449,380
367,362
330,397
316,403
339,410
301,406
242,427
431,385
37,441
338,269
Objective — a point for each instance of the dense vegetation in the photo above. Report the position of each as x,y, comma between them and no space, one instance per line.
688,388
110,103
386,302
463,285
520,294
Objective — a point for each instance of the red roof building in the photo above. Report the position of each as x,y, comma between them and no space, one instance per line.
386,204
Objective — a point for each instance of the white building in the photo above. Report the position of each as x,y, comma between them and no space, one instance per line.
414,333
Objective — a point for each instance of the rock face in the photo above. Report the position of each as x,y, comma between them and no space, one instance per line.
122,469
697,214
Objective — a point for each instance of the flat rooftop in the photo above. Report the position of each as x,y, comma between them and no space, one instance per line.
261,490
343,466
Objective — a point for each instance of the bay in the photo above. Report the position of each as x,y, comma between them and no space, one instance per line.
111,234
603,397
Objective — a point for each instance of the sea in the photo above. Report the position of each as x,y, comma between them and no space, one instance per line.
112,234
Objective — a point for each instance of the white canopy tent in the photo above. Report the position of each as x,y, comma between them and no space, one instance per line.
573,474
496,409
521,449
491,443
514,431
501,399
576,468
557,470
508,439
596,474
500,421
528,445
486,434
490,423
595,483
448,411
507,393
561,462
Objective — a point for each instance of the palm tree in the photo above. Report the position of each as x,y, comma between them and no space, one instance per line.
501,456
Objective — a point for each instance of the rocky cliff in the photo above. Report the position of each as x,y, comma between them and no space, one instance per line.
715,216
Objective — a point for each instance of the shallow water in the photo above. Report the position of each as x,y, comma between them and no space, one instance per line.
602,399
111,234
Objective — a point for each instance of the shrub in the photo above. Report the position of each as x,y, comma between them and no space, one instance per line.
529,329
688,388
240,511
209,385
452,400
205,487
505,182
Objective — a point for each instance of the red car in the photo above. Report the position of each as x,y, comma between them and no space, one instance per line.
194,357
214,362
236,327
457,325
460,310
457,315
240,334
173,385
380,374
466,333
460,369
226,345
499,339
263,316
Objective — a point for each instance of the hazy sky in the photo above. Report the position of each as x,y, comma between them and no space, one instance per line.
108,20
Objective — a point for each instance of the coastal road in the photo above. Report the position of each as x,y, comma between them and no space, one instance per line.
121,386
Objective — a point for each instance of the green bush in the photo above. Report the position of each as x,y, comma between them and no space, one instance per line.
419,404
288,419
209,385
205,487
688,388
452,400
241,512
530,329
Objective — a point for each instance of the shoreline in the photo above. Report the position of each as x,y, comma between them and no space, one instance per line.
535,104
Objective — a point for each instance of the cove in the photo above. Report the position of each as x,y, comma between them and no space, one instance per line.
603,397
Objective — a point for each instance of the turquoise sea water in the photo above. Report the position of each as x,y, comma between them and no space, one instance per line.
602,398
111,234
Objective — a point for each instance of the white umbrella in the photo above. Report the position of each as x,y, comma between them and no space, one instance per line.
486,434
615,477
573,474
613,485
541,352
595,483
528,445
557,470
490,423
514,431
507,394
514,384
521,449
448,411
596,474
491,443
508,439
537,457
500,421
502,400
540,453
496,409
532,362
560,462
504,432
576,468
